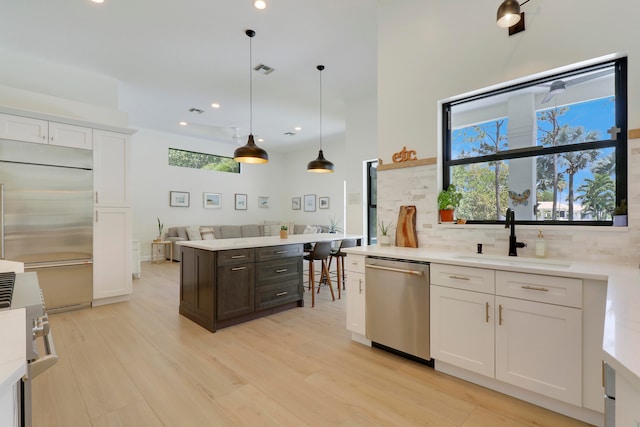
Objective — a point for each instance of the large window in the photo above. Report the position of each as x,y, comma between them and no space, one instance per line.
191,159
553,149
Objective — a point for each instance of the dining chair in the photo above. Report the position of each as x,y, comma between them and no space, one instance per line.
321,252
340,256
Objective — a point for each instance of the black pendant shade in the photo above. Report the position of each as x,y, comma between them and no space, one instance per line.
320,165
250,153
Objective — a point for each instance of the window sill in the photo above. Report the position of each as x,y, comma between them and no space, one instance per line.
545,227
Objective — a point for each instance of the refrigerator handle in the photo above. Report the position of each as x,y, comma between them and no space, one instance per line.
1,221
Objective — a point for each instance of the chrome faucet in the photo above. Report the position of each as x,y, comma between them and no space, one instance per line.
510,221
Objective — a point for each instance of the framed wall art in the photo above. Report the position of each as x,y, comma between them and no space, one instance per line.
296,202
309,202
179,199
323,202
212,200
241,202
263,202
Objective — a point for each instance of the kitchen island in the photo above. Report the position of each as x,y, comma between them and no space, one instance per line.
228,281
610,323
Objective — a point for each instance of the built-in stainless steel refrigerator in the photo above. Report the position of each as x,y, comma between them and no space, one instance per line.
46,212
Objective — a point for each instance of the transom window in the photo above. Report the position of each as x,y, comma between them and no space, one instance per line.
194,160
553,149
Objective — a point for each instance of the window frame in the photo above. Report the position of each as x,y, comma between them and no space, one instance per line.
620,143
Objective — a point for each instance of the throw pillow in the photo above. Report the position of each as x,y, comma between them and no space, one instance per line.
309,229
207,233
193,233
182,233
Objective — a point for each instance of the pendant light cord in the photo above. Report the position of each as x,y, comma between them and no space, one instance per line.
250,88
320,68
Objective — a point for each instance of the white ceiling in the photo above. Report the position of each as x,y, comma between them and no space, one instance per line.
171,56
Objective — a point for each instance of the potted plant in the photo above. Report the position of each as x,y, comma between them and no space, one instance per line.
160,228
620,214
334,225
384,239
448,201
284,232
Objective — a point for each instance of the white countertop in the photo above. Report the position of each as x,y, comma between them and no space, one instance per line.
621,342
13,364
258,242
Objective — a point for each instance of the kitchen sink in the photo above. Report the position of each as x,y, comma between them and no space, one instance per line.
515,261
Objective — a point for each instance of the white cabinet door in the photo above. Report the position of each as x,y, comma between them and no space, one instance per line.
356,302
70,136
112,252
539,347
462,329
111,169
25,129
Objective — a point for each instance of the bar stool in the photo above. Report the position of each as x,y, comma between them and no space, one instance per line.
339,255
321,252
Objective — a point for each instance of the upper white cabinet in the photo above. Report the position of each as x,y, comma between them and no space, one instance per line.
73,136
111,169
24,129
28,129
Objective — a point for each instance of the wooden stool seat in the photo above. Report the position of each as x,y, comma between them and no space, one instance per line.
321,251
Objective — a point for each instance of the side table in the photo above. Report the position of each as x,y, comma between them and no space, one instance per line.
157,245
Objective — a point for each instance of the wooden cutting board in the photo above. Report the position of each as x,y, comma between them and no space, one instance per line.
406,229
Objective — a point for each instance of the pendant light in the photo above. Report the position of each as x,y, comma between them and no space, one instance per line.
250,153
320,165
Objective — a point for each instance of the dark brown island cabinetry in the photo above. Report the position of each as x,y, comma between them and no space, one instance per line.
226,287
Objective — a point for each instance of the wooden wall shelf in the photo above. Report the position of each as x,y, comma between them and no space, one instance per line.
634,133
408,164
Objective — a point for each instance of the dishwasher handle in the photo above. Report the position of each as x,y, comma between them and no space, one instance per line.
396,270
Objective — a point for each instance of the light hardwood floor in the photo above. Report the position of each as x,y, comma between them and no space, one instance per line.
140,363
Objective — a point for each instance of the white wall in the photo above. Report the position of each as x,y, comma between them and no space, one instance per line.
426,56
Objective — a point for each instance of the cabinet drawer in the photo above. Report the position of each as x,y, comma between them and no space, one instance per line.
469,278
235,256
279,270
276,252
354,263
277,294
533,287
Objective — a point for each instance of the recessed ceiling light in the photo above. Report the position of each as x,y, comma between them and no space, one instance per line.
98,1
297,128
260,139
183,123
215,105
260,4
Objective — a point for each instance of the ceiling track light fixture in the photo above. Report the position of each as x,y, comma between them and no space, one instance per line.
509,16
320,165
250,153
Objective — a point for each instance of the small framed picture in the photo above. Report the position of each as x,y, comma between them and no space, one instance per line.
241,202
263,202
296,202
323,202
212,200
309,202
179,199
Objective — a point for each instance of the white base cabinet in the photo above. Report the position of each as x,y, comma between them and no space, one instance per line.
356,290
520,341
112,253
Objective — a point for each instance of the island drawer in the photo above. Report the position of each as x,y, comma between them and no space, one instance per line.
276,252
278,270
468,278
236,256
534,287
354,263
277,294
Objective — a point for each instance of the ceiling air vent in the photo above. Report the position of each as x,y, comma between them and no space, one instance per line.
263,69
289,133
196,110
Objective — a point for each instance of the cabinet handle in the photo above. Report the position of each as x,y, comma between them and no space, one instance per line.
359,286
238,268
280,252
238,256
500,314
487,312
535,288
281,294
459,277
282,270
44,137
96,197
96,216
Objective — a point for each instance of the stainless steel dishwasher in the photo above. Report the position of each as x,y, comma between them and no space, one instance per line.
397,305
